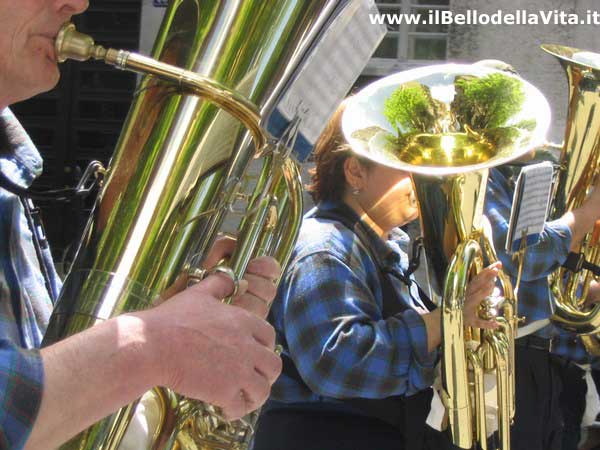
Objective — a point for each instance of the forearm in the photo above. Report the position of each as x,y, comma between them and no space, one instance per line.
89,376
580,221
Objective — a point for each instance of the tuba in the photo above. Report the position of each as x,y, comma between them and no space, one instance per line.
579,160
198,120
448,125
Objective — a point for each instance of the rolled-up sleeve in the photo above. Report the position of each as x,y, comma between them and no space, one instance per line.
21,378
339,341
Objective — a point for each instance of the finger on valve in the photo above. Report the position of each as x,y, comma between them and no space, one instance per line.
222,249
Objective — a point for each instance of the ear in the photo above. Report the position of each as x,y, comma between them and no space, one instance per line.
355,172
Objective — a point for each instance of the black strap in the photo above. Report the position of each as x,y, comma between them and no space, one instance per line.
82,190
34,218
55,194
576,262
74,199
391,302
40,243
415,259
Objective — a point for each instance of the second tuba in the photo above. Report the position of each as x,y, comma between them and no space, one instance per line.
448,125
579,163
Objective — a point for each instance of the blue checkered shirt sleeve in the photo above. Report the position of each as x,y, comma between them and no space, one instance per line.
25,300
541,259
338,339
21,375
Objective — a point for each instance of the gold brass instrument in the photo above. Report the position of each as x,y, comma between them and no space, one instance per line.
177,170
578,166
448,125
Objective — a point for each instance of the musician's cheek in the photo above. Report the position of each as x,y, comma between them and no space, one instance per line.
405,203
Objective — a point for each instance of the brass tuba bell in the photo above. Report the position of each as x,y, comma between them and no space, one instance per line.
448,125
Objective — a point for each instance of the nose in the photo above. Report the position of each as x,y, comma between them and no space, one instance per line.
69,8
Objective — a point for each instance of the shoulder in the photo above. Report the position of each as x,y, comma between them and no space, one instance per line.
326,236
326,243
10,209
21,162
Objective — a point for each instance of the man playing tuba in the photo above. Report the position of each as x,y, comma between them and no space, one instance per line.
51,394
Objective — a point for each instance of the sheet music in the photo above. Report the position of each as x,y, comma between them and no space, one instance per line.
330,71
530,205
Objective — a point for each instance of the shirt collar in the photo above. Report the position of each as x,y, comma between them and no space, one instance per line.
22,163
393,251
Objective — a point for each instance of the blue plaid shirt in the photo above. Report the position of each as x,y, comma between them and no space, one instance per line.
569,346
328,318
25,302
541,259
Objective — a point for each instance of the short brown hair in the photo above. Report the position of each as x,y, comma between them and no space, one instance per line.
328,181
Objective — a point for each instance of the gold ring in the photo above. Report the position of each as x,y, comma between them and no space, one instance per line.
195,275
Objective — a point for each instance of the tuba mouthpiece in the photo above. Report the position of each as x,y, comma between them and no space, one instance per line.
71,44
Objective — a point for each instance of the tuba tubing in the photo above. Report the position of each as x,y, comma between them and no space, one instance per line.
437,123
579,163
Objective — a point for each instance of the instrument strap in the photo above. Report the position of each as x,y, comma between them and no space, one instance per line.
59,195
34,223
391,302
40,243
75,195
94,171
576,262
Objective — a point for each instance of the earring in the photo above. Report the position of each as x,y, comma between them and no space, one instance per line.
356,191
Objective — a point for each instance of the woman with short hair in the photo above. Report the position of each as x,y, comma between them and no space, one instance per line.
360,341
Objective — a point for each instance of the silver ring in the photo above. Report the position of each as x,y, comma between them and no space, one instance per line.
230,273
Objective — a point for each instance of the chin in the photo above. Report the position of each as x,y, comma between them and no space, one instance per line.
49,79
